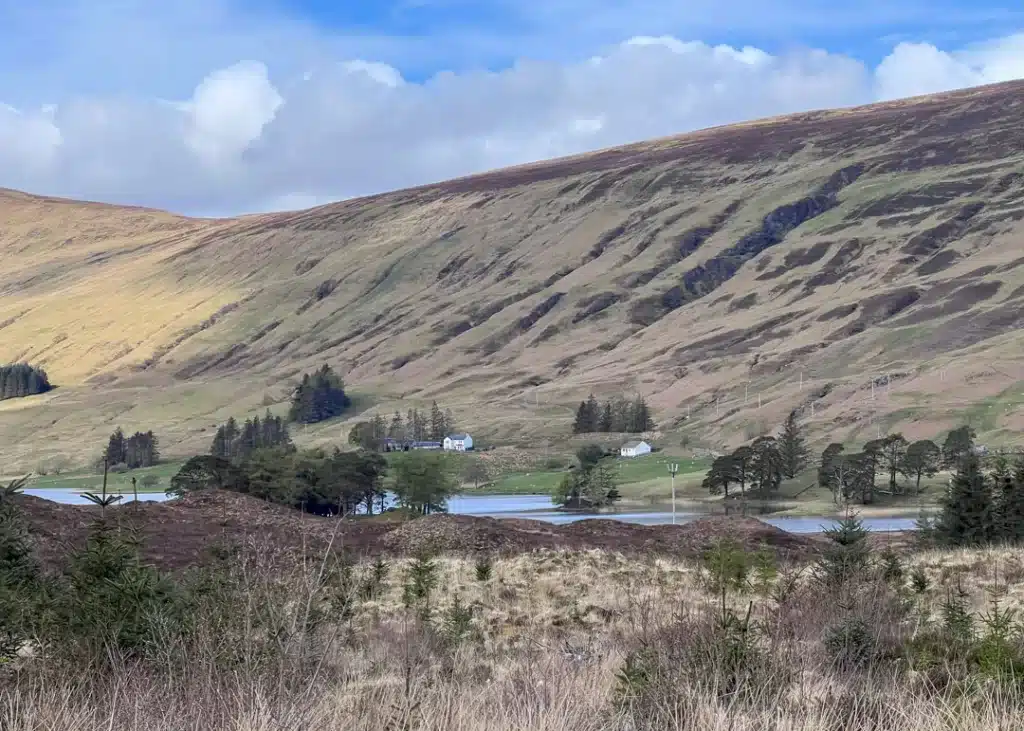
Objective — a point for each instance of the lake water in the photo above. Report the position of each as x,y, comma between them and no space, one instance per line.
540,507
71,497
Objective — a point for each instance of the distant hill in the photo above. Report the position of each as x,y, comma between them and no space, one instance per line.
792,261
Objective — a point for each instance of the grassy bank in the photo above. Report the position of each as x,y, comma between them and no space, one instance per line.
563,641
89,481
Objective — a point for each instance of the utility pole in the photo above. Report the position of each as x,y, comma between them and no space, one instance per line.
672,469
801,380
746,387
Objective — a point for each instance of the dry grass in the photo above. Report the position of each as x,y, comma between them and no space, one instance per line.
131,310
548,637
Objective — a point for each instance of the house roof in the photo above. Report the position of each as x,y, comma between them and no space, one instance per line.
632,445
458,437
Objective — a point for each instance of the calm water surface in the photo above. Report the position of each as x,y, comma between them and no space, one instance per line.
540,507
71,497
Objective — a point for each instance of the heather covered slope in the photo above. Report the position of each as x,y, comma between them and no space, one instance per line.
794,260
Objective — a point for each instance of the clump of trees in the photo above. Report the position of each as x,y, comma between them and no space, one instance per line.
763,464
591,483
415,426
423,481
318,397
233,442
854,476
616,415
21,379
981,506
141,449
315,481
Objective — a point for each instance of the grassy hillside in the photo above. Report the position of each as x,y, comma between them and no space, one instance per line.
862,265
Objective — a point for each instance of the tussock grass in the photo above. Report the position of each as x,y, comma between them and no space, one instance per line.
555,640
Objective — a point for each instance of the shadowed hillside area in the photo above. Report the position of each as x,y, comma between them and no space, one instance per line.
862,265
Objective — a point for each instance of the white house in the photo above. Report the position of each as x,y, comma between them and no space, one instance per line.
634,449
458,442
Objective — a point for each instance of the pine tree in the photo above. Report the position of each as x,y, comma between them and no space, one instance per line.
893,455
220,446
605,423
437,432
587,417
793,447
449,422
1009,498
396,430
116,448
921,460
825,468
968,515
766,464
721,475
959,443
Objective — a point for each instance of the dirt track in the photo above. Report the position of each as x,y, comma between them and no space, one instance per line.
183,533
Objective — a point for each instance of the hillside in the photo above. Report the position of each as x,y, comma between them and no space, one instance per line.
795,260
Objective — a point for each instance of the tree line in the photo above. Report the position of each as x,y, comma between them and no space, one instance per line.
319,481
416,426
21,379
854,476
616,415
231,441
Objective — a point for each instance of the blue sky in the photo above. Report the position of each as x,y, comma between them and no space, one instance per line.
221,106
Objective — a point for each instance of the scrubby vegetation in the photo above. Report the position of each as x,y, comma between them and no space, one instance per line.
855,637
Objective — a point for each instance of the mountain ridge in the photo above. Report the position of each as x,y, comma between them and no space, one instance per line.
866,244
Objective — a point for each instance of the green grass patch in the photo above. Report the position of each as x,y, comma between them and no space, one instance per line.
87,481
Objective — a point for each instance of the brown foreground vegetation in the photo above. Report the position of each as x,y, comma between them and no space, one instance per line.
559,640
189,530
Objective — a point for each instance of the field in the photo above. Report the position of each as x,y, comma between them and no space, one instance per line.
89,481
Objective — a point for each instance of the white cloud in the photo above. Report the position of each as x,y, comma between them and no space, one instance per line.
246,140
229,111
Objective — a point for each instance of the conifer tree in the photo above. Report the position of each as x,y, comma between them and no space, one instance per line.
921,460
968,515
959,443
793,447
437,430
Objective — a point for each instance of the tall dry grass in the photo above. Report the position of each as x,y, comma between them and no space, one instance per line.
556,641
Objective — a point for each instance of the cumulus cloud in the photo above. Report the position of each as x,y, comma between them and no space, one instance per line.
246,141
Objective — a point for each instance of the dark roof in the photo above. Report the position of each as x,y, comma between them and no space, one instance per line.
458,437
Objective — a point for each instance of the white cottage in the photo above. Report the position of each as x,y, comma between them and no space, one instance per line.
458,442
634,449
